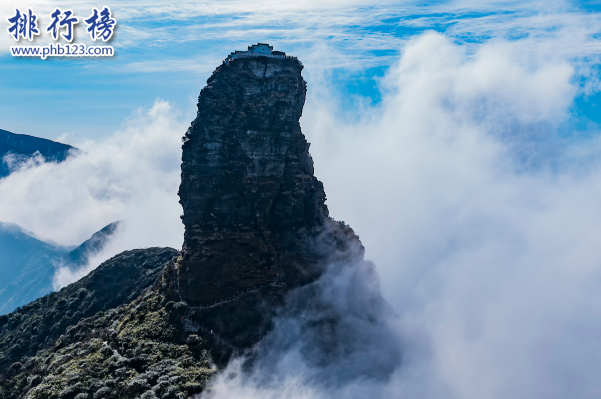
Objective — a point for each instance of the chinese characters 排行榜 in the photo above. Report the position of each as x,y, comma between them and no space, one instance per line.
100,25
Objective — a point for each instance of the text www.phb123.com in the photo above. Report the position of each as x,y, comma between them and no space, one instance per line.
59,50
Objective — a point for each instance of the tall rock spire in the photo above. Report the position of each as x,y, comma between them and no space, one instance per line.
253,210
263,267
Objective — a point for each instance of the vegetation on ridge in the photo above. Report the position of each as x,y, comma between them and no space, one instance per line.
138,350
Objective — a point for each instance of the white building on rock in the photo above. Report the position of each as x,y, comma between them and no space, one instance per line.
258,50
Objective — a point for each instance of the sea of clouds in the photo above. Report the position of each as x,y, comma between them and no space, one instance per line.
479,207
482,221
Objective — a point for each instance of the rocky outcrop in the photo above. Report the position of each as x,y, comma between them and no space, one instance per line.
254,213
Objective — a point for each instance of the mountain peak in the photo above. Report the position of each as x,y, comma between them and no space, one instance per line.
22,147
259,248
254,213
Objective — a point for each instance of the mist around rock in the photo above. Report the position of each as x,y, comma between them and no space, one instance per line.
479,218
332,338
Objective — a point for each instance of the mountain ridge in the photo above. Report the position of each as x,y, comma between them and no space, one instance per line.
22,147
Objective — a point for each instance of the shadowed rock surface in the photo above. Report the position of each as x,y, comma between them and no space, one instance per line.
254,213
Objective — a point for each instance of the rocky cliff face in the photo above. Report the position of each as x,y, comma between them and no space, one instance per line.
254,213
252,206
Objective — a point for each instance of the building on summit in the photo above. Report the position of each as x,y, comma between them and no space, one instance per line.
257,50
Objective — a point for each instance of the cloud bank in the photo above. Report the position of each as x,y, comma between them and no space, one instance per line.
132,176
483,219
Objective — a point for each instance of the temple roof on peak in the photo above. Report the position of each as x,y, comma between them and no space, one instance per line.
257,50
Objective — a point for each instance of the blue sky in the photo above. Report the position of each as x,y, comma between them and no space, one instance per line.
169,52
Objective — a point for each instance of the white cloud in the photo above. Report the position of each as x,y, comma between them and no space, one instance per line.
132,176
483,225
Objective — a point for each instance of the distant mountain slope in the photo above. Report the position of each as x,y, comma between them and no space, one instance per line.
27,265
79,256
26,268
24,146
